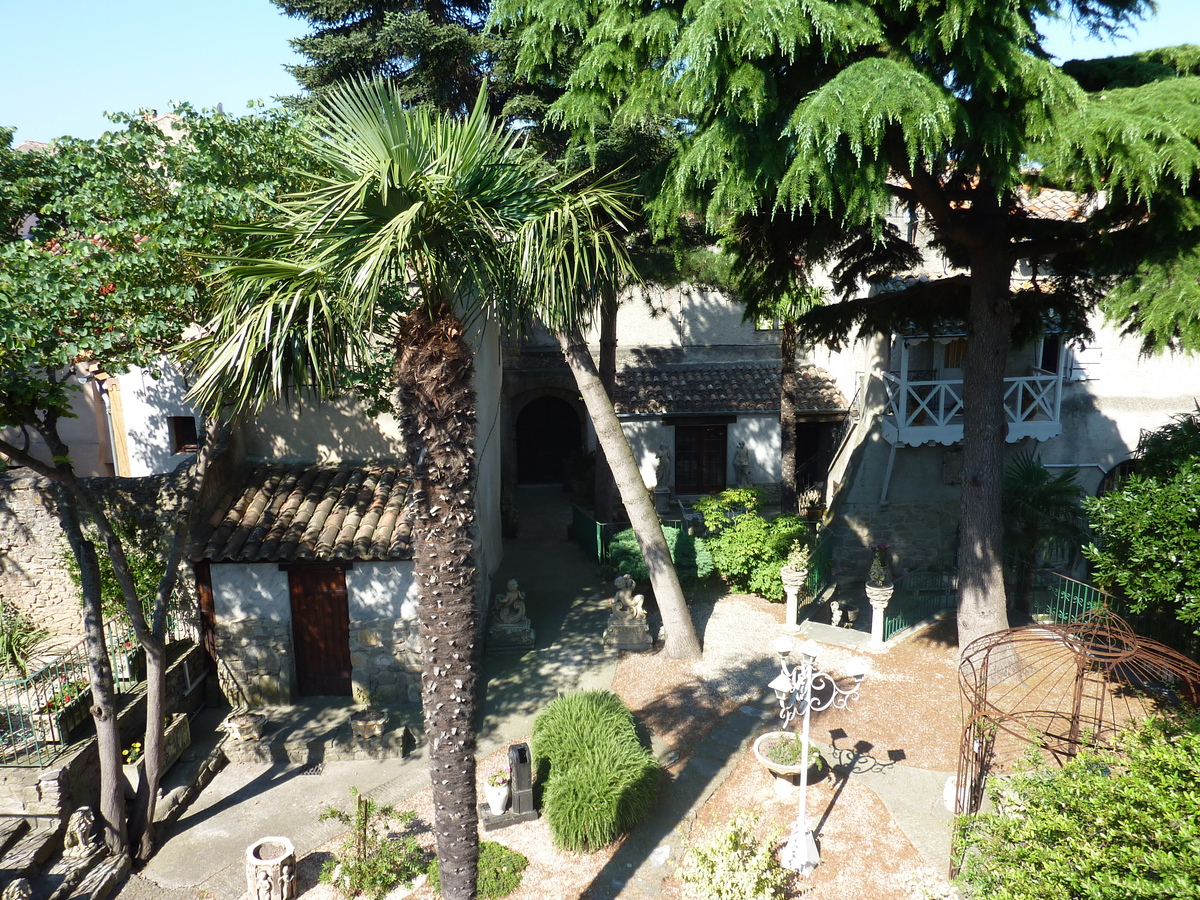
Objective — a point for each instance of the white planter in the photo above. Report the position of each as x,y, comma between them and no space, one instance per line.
497,797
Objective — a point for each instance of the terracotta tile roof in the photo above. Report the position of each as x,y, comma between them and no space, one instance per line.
720,388
301,511
1053,204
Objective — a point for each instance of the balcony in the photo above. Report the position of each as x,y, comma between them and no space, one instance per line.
929,410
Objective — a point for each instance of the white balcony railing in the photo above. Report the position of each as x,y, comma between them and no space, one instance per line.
919,412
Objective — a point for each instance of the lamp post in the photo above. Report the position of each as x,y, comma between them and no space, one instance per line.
802,690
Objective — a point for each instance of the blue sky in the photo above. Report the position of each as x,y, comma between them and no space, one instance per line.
69,61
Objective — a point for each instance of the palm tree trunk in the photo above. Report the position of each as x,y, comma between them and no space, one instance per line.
606,488
681,642
981,596
436,393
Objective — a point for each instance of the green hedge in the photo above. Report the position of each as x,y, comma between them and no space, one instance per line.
692,560
598,780
748,550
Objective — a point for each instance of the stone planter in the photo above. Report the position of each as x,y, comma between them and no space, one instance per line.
129,667
368,723
786,777
134,774
177,737
271,869
245,726
497,796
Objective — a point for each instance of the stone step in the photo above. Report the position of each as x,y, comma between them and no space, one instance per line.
397,742
29,854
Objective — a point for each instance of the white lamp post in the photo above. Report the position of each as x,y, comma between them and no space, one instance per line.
794,689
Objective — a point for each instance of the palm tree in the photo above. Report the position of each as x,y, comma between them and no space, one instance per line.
1043,514
418,229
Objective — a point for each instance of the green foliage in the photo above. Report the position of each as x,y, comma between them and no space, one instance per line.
1166,449
789,751
732,864
1043,512
691,557
499,871
598,780
20,638
372,861
1148,542
145,555
747,550
1108,825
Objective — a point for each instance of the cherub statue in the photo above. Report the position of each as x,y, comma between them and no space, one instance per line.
17,890
627,606
510,607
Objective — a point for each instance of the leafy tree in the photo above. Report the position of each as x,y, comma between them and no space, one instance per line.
1043,514
1163,451
424,228
1147,543
1110,825
847,108
105,278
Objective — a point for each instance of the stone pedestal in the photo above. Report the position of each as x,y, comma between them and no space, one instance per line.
662,502
628,634
793,583
878,595
271,869
511,636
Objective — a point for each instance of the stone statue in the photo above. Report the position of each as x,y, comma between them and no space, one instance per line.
17,890
741,465
663,468
627,626
626,606
79,842
510,607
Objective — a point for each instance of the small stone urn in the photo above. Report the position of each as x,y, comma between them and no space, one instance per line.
271,869
246,726
368,723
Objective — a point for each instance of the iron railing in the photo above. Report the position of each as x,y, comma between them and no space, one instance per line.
41,712
918,596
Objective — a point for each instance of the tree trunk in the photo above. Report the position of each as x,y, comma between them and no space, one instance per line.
789,497
104,711
981,600
606,488
435,383
681,642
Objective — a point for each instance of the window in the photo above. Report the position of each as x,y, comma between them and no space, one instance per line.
700,458
767,323
185,438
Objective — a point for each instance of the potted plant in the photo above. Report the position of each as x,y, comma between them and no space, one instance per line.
879,578
795,570
782,753
496,790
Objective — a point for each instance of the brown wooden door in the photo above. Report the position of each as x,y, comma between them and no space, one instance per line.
320,631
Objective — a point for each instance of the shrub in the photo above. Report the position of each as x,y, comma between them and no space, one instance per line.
499,871
731,864
372,861
692,560
1105,825
598,780
747,549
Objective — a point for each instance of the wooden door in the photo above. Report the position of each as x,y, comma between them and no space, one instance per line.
320,631
700,458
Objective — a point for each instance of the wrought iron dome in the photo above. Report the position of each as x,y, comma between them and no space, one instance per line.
1060,688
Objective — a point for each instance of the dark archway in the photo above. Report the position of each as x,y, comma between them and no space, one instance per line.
548,434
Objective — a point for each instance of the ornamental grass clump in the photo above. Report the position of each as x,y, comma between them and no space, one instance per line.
598,780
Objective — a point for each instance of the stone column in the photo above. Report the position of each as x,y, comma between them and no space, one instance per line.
878,595
271,869
793,581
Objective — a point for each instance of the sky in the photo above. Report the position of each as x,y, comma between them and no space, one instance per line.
70,61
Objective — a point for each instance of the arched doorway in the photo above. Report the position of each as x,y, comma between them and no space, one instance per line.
548,434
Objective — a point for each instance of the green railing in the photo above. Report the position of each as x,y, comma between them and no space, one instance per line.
820,574
45,711
1055,598
588,534
918,596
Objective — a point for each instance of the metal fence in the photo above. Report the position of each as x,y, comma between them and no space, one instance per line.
43,712
918,596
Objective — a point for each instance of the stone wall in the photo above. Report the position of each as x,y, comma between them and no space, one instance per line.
32,545
255,661
920,536
385,655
